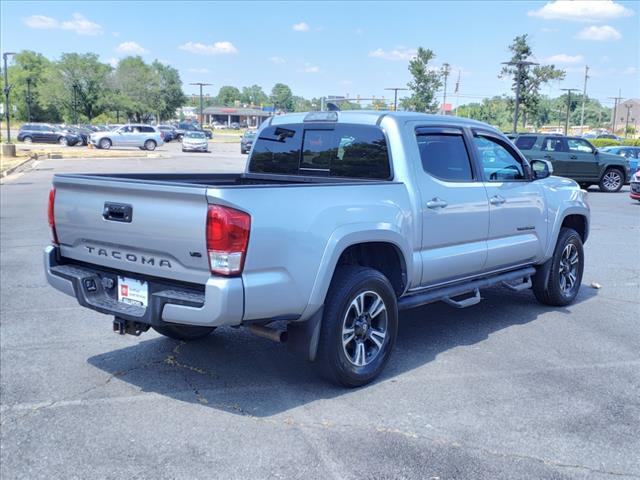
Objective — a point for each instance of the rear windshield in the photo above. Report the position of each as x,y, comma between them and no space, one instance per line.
525,143
339,150
194,135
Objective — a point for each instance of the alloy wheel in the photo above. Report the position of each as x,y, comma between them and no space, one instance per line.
364,328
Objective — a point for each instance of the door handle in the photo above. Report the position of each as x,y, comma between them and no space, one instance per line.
436,203
573,157
547,156
497,200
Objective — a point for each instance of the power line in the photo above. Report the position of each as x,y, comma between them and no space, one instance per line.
446,68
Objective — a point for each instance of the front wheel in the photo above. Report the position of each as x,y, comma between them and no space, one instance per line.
105,143
185,333
63,141
359,326
27,140
150,145
557,281
612,180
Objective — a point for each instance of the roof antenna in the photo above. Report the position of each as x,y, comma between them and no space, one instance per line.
332,107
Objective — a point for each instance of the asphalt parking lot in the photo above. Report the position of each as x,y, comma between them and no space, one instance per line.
506,389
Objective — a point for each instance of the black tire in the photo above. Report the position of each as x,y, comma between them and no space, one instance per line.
27,139
243,151
183,150
185,333
180,138
63,141
337,362
105,144
612,180
150,145
547,281
585,186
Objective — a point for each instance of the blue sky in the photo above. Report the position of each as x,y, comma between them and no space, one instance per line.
335,48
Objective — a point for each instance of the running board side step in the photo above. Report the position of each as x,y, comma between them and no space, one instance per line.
446,293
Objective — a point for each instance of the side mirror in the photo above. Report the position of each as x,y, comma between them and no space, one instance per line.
541,169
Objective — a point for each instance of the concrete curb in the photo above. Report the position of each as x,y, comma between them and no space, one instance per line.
9,171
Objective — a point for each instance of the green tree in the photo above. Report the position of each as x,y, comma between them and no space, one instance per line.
170,89
426,82
138,89
253,95
31,68
80,79
228,95
531,77
282,98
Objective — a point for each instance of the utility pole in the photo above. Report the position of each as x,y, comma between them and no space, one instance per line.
566,123
200,84
615,111
28,99
395,96
7,89
457,92
519,67
584,96
446,68
628,106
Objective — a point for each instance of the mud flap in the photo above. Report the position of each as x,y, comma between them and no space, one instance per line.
303,337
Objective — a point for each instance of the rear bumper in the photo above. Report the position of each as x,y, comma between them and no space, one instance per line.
219,302
635,190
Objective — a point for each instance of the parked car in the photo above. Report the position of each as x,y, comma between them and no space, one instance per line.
183,127
610,136
145,137
325,232
247,141
218,126
632,154
46,133
635,186
83,133
576,158
169,132
195,142
234,126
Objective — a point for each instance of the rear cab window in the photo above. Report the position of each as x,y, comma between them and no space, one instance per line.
337,150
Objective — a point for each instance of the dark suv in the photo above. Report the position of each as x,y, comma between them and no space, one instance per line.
576,158
183,127
45,133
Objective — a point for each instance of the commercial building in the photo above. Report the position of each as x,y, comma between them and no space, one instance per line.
227,115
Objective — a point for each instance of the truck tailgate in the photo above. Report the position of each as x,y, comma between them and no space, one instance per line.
146,228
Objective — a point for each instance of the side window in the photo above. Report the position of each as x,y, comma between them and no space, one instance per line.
579,145
277,150
552,144
360,152
445,157
498,163
525,143
147,129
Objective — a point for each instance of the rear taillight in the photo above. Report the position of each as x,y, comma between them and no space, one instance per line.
51,216
227,239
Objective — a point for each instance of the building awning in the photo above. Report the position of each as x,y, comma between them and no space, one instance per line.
244,112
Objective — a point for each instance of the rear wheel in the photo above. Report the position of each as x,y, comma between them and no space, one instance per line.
184,332
105,143
557,281
27,140
612,180
150,145
359,326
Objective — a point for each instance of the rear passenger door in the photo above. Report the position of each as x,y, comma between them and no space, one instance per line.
583,164
517,219
554,149
454,206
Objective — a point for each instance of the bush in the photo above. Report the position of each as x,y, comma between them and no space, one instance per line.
604,142
631,142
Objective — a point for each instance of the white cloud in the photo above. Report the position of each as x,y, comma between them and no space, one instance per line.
581,10
300,27
217,48
199,70
277,60
599,34
78,24
398,53
41,21
564,59
131,48
308,68
630,71
113,62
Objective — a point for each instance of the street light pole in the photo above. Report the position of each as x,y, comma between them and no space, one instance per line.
566,123
200,84
29,99
628,106
7,89
520,64
395,96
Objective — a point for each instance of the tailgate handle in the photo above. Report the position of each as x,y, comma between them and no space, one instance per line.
117,212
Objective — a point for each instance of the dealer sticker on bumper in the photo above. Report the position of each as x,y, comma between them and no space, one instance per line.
133,292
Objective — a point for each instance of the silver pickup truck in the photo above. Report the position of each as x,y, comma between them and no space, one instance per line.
340,220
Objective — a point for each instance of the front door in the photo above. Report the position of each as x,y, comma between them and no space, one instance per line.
454,207
518,228
583,164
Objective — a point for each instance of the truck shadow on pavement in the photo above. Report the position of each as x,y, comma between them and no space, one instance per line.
237,372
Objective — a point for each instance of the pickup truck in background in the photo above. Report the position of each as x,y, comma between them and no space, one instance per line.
340,220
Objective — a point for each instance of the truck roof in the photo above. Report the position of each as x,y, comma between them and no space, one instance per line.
373,117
